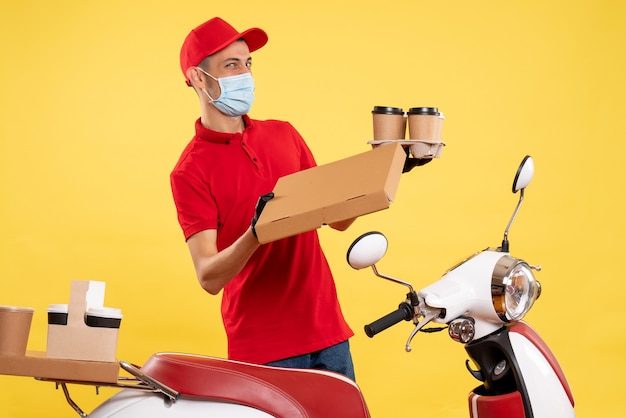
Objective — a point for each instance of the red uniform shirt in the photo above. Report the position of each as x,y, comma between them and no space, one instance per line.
284,302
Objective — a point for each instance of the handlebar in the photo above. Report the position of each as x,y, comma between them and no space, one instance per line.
403,313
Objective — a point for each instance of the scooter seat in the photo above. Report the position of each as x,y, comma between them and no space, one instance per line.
278,391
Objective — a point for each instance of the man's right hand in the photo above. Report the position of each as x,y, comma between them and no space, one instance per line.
260,205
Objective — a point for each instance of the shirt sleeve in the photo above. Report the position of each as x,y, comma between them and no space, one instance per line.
195,206
307,160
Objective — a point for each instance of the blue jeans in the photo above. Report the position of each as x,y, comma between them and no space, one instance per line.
336,358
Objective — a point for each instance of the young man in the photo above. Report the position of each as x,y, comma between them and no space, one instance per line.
279,302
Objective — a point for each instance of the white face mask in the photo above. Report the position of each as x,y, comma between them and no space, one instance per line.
237,94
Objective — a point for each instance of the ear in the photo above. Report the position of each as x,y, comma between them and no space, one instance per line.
195,77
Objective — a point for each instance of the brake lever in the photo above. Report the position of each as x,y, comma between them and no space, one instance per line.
429,315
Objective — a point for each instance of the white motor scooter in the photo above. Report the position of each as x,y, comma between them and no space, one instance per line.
481,302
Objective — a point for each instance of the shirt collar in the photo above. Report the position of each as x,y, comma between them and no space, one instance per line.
221,137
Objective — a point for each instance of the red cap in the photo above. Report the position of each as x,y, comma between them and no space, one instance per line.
213,36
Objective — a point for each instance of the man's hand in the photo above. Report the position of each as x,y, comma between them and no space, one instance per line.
410,163
260,205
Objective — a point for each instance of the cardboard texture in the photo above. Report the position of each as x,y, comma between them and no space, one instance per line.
36,364
75,352
329,193
420,148
76,340
15,324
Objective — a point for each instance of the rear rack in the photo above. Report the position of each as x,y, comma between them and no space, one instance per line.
139,381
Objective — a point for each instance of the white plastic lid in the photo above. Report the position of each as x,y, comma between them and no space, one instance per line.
57,308
113,313
5,308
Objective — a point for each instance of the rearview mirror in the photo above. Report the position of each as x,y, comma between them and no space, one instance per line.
367,250
524,174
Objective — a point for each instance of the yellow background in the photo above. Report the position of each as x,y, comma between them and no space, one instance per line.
94,114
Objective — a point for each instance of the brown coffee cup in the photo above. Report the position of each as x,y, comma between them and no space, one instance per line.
425,123
14,330
389,123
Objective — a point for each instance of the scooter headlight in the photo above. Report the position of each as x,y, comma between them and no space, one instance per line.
513,289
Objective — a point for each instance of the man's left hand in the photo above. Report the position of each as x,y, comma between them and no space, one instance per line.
410,163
